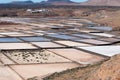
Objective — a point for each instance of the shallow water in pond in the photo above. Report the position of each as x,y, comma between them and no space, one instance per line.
34,39
9,40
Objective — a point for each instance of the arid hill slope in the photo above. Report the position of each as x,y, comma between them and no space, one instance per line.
108,70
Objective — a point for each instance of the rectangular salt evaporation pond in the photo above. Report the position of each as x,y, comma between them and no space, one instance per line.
5,59
84,36
37,56
103,34
113,40
38,31
13,34
50,33
89,31
77,55
11,46
7,74
9,40
40,70
19,35
73,29
47,45
9,33
102,28
27,32
103,50
35,39
93,41
62,36
56,27
72,43
38,34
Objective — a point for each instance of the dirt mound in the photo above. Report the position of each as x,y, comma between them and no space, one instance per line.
108,70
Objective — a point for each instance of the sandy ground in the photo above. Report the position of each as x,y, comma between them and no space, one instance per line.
29,71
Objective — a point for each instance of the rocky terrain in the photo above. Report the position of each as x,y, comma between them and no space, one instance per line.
108,70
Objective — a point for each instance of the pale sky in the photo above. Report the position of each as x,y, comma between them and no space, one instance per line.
6,1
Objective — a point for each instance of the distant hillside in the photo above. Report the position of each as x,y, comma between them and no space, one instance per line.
51,1
69,2
59,2
102,2
22,2
31,4
48,2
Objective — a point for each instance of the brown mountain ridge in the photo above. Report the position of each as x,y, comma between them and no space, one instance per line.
102,2
69,2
